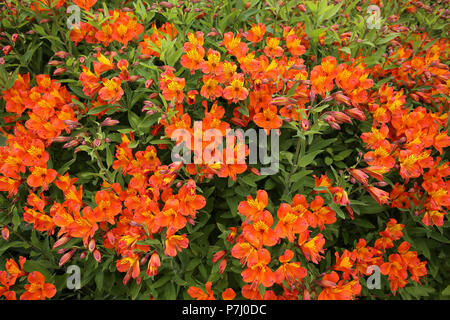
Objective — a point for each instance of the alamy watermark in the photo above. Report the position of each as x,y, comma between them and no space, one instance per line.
75,18
74,280
374,19
208,147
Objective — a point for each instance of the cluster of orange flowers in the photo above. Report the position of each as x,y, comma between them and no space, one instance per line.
258,231
120,26
226,165
295,220
150,207
359,261
50,113
37,289
144,220
422,71
402,139
104,91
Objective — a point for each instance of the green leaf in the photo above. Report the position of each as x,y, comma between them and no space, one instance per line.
338,210
446,291
308,158
386,39
99,278
133,118
99,109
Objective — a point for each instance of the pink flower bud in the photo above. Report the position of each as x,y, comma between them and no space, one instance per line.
166,4
97,256
55,63
148,83
223,265
14,37
61,241
62,54
304,124
66,257
5,233
97,143
71,144
7,49
61,139
91,245
108,122
59,71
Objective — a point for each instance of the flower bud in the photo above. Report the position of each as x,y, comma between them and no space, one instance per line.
97,256
304,124
148,83
222,265
166,4
108,122
91,245
7,49
218,255
340,117
66,257
61,241
306,295
71,144
55,63
5,233
62,54
59,71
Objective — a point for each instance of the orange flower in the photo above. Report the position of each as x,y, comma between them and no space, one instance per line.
243,251
193,58
256,33
129,263
171,217
85,4
289,271
14,269
199,294
324,215
313,248
108,206
175,243
174,89
268,119
259,233
258,271
228,294
41,177
272,48
212,64
338,290
153,264
323,181
111,91
379,195
253,208
393,230
211,88
234,45
38,289
236,90
289,223
340,196
103,64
